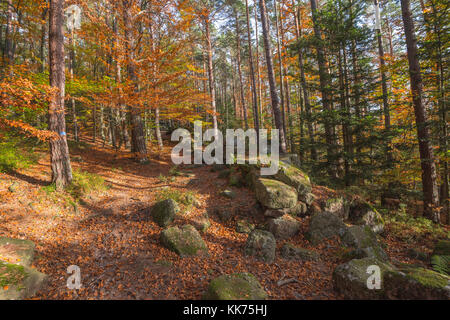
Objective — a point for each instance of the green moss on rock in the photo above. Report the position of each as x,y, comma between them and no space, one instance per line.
350,279
415,283
19,282
274,194
17,251
295,178
238,286
164,212
261,244
185,241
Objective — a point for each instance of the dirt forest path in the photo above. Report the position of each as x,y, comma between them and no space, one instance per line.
113,240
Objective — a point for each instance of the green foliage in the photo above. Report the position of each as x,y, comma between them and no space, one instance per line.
164,179
16,155
441,264
186,198
174,171
85,182
408,228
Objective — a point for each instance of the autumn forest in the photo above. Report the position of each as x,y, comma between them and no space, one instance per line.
91,92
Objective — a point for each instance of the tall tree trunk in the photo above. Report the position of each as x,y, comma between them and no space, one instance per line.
280,62
157,118
258,71
9,34
138,143
212,89
271,75
297,20
71,71
238,58
430,190
386,111
59,151
252,71
324,88
43,33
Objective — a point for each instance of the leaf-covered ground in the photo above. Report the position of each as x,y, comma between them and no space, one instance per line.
110,235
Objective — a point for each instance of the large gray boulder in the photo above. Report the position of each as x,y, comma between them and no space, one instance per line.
164,212
261,244
351,279
274,194
336,206
17,251
284,227
412,283
18,282
238,286
364,242
295,178
324,225
363,213
185,241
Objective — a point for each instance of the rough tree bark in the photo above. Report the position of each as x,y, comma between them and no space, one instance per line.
271,75
430,190
59,151
138,143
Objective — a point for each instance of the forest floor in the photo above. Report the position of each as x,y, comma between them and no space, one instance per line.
110,236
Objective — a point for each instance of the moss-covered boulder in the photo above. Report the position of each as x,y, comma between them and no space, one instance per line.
295,178
413,283
185,241
202,222
324,225
261,244
274,194
351,279
284,227
300,210
238,286
336,206
18,282
291,252
164,212
364,241
243,226
17,251
363,213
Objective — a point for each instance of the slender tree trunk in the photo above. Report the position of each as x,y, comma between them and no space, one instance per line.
259,71
278,118
72,100
386,111
324,88
59,151
212,89
9,34
157,118
430,190
252,71
138,143
297,20
43,33
238,58
280,62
